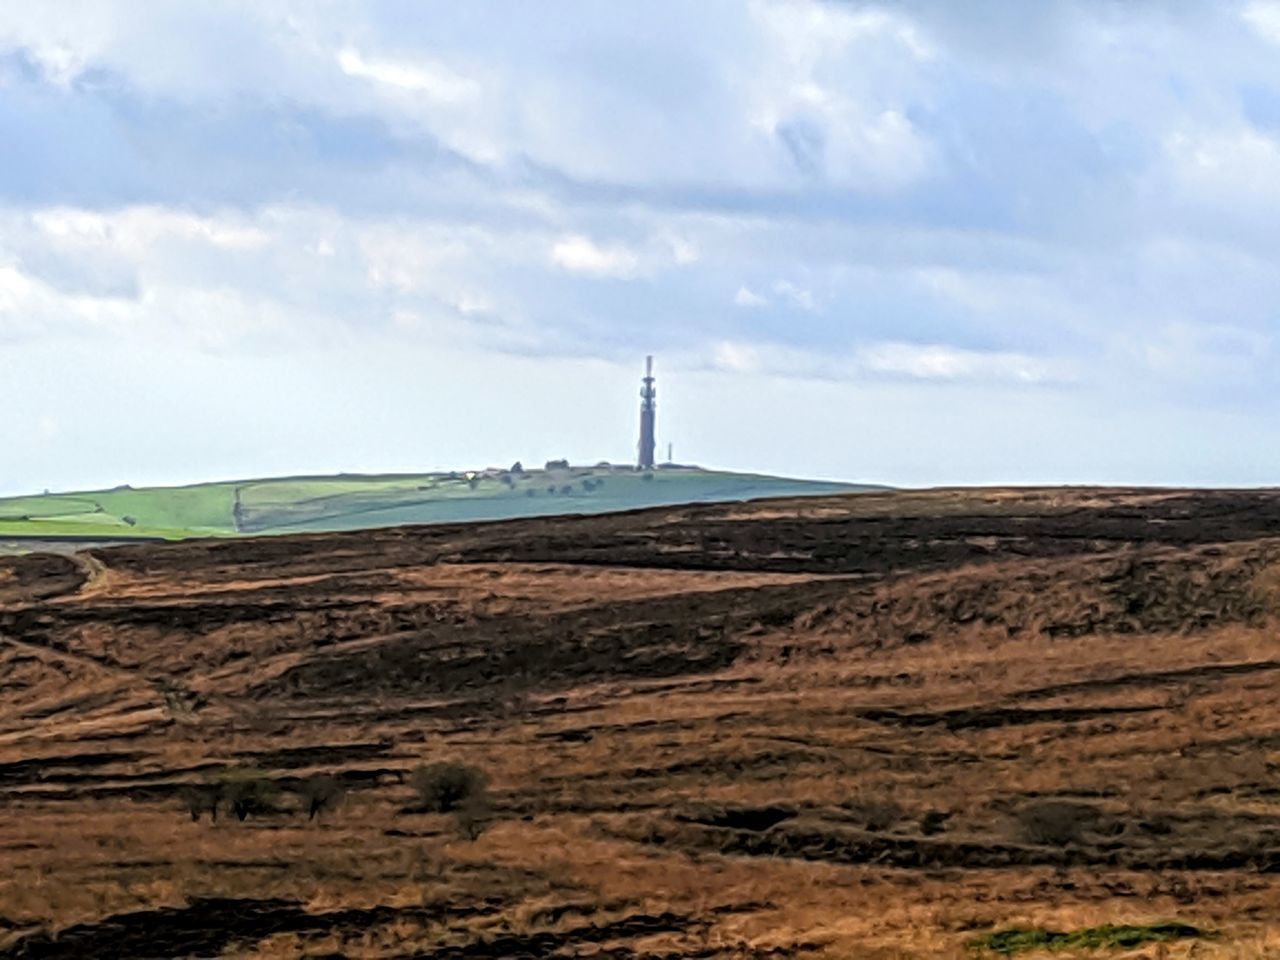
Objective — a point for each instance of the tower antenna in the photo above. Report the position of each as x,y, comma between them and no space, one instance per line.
648,414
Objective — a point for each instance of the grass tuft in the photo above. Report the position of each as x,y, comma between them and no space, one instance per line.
1108,936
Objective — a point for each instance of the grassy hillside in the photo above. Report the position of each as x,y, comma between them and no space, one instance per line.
346,502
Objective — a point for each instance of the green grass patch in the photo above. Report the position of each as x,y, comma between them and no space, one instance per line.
1108,936
349,502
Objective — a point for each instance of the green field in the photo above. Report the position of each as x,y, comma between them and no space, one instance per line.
350,501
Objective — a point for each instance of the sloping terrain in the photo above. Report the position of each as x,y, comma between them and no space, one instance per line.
886,725
355,502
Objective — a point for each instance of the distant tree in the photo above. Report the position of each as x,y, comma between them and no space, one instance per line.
443,787
456,788
131,521
567,489
517,467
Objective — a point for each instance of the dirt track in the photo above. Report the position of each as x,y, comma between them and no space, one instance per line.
792,728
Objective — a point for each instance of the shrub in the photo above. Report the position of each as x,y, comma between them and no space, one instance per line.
445,787
1055,823
248,793
200,800
320,793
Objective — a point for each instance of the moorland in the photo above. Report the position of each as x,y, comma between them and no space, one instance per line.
951,723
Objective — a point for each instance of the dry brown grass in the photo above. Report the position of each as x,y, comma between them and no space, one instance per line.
833,710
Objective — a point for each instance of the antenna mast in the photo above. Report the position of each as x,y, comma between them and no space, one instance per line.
648,414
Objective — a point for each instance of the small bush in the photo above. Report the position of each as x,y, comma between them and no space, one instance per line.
1055,823
320,794
248,793
199,800
445,787
455,788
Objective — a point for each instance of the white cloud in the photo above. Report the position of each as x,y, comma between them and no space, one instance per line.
580,254
809,32
419,76
414,257
470,302
826,98
887,360
737,357
941,362
1264,17
683,251
746,297
15,288
1237,168
59,63
135,229
31,308
798,296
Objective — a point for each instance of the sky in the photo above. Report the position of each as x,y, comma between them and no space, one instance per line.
915,242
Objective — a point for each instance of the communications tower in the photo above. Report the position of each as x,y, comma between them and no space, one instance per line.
648,413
